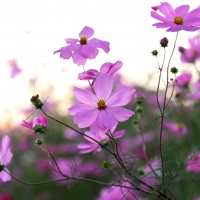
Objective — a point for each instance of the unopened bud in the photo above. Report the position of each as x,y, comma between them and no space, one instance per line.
164,42
39,142
174,70
36,102
106,164
154,52
140,171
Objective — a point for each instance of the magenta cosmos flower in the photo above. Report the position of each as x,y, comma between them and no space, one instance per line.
82,49
106,68
193,164
101,110
178,19
39,124
92,146
183,80
5,158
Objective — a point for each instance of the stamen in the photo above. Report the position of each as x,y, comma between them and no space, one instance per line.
101,104
83,40
178,20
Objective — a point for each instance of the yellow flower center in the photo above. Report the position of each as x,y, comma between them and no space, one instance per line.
101,104
178,20
83,40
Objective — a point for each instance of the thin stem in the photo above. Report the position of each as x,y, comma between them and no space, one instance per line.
163,114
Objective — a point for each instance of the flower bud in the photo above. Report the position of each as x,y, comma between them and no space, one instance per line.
139,98
39,142
154,53
164,42
181,50
174,70
104,142
140,171
135,122
106,164
139,109
36,102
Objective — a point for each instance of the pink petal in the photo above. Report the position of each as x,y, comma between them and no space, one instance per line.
66,52
96,137
78,58
99,44
109,68
182,10
89,51
86,118
158,17
90,74
71,41
5,176
27,124
119,134
194,21
167,10
78,108
103,86
86,31
5,154
193,14
121,97
85,96
162,25
120,114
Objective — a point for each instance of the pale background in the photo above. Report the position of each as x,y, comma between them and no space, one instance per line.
31,30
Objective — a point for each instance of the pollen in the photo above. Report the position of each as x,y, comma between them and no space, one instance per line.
178,20
101,104
83,40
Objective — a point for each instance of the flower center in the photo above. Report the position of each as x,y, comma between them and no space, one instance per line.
101,104
1,167
178,20
83,40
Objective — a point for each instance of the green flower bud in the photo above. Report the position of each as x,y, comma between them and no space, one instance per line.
106,164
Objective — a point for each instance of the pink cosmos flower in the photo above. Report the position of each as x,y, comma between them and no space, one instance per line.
38,124
84,49
15,70
177,19
5,158
183,80
192,54
176,128
194,163
100,137
101,110
106,68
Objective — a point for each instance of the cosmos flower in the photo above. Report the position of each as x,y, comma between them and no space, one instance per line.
5,158
177,19
183,80
82,49
106,68
38,124
176,128
92,146
192,54
102,109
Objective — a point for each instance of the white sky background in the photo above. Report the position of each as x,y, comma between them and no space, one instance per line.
31,30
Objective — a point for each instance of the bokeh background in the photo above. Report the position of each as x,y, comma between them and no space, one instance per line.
30,31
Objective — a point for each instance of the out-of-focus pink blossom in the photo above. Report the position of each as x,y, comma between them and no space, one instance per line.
84,49
5,159
176,128
194,163
177,19
117,193
38,124
92,146
192,54
196,94
5,197
183,80
102,110
15,70
106,68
